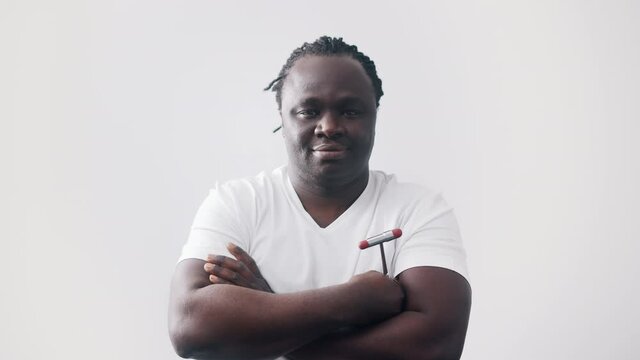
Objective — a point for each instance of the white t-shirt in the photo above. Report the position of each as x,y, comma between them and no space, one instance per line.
265,217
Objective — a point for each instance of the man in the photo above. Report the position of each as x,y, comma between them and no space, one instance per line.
272,266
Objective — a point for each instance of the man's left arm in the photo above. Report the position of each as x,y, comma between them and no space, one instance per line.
433,324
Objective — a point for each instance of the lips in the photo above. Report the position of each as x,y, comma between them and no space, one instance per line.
329,147
332,151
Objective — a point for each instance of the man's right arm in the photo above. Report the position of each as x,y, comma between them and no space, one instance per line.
210,321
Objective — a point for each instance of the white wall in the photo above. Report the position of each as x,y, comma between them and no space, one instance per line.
117,116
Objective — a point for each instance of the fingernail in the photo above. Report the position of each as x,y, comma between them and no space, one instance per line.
231,246
208,266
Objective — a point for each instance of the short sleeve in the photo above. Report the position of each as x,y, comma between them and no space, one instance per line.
215,225
433,238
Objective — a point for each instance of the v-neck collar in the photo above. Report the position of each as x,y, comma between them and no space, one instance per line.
355,208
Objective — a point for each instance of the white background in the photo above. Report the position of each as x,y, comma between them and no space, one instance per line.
116,117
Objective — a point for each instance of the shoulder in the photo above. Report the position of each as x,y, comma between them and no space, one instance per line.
239,203
431,235
390,184
407,195
249,189
243,198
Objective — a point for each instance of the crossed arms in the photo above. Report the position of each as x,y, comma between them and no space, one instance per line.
228,311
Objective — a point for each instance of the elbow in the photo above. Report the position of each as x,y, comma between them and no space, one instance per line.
445,350
182,343
178,328
436,353
182,350
188,343
448,354
189,337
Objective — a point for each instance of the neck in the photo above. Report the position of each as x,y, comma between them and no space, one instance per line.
326,200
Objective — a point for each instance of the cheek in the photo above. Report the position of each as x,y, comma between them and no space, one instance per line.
364,133
295,140
297,135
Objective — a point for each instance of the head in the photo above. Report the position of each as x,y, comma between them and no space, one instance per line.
327,46
328,95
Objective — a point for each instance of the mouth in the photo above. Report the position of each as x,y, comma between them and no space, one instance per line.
330,151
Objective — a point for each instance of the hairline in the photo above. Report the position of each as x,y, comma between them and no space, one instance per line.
346,55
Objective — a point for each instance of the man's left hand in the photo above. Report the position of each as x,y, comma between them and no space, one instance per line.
241,271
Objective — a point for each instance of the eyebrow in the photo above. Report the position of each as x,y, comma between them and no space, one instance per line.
310,101
349,99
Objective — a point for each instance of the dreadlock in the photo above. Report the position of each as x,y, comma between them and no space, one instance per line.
327,46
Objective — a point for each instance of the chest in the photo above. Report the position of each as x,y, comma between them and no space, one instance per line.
294,255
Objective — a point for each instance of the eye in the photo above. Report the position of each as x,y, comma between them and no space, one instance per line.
351,113
308,113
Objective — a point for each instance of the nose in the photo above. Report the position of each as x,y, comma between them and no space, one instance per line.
329,126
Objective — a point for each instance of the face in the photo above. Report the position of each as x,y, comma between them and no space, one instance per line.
328,117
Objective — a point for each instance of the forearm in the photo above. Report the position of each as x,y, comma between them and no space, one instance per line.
225,321
433,325
209,321
409,335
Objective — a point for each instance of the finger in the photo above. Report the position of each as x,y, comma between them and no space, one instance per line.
245,258
216,280
208,267
231,268
260,282
226,275
233,265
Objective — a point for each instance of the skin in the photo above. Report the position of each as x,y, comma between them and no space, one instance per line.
328,102
224,308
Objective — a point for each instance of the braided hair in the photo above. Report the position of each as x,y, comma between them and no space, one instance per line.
327,46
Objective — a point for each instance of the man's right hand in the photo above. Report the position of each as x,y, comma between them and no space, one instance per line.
375,297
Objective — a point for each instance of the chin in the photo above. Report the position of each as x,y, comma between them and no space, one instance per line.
339,171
